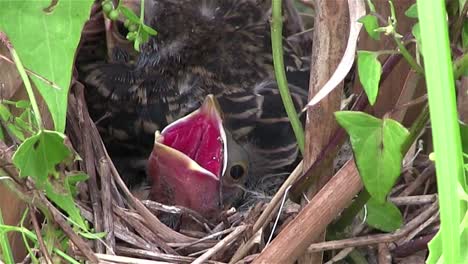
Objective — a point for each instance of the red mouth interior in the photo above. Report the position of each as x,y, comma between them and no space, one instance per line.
198,137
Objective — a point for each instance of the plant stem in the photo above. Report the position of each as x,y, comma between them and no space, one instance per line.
27,85
5,245
408,56
277,47
142,11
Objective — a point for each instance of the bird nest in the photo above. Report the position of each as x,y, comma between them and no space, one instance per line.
133,229
136,230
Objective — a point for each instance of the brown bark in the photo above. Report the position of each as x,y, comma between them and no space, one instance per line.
330,35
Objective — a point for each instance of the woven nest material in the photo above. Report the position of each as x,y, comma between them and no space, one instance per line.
134,228
135,232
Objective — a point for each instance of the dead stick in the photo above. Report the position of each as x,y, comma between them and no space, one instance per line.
314,218
37,229
75,238
221,244
379,238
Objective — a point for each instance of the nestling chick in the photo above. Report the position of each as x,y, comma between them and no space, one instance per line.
219,47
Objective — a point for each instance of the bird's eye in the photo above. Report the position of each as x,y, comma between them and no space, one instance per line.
237,171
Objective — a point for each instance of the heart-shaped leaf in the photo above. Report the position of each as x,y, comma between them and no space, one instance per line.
371,24
369,70
37,157
45,40
383,216
377,146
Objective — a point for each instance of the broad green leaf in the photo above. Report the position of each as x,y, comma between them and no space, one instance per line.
383,216
37,157
371,23
5,113
369,70
23,104
412,11
46,43
128,13
377,146
2,135
13,129
149,30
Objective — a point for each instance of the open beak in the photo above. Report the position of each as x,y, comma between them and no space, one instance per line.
188,158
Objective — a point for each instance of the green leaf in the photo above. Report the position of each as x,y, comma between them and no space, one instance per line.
93,236
128,13
38,155
73,179
46,43
371,24
2,135
149,30
15,131
136,43
465,34
435,249
383,216
417,34
5,113
371,5
369,70
23,104
377,146
22,125
37,158
412,11
143,36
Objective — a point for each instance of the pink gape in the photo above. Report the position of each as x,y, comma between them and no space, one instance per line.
188,159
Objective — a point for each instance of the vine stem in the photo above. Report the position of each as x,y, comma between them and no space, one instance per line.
405,53
278,63
27,85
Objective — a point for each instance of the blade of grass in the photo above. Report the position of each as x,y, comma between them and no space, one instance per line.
278,62
30,235
5,244
445,128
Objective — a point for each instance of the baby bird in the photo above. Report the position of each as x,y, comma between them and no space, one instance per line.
218,47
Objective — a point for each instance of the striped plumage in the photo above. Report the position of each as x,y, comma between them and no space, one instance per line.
219,47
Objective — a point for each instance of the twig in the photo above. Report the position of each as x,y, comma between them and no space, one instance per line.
376,239
312,220
223,243
220,233
143,230
414,200
103,258
267,214
76,239
78,110
158,256
172,209
37,229
106,199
